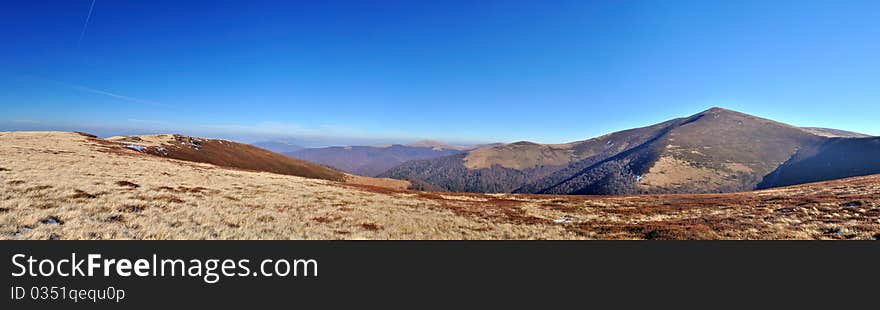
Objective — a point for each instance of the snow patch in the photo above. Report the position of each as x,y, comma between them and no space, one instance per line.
22,231
565,219
139,148
51,221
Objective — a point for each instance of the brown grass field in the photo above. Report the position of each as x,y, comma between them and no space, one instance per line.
58,185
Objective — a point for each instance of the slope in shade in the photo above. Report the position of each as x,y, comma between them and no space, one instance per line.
834,159
369,160
450,174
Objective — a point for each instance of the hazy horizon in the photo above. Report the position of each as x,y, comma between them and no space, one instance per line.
461,72
309,141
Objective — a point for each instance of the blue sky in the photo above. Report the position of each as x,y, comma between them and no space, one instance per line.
461,71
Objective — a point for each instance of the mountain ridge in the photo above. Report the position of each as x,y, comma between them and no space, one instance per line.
713,151
376,159
236,155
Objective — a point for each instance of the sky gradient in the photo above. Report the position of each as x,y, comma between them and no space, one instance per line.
361,72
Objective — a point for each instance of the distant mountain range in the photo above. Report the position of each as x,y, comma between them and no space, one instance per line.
278,146
716,150
374,160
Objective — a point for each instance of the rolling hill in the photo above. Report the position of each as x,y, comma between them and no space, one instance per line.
236,155
63,185
226,154
373,160
714,151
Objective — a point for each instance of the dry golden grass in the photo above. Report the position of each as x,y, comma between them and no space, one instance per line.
230,154
519,156
56,185
378,182
670,172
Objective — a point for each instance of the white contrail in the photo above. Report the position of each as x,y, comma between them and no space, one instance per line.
93,91
86,25
109,94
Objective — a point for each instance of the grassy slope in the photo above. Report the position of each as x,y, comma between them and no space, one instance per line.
67,186
714,151
235,155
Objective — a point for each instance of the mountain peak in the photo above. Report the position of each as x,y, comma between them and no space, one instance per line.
716,110
716,113
524,143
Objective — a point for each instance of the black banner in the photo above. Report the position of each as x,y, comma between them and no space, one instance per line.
416,274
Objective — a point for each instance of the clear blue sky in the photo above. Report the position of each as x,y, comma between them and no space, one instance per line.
545,71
